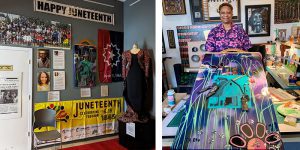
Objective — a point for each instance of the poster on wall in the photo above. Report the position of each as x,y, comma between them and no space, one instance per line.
85,65
110,45
29,31
10,96
79,119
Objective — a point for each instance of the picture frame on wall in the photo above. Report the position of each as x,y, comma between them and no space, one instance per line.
211,12
163,44
171,39
258,20
174,7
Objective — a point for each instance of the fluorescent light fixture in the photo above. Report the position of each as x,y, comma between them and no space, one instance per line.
122,0
98,3
134,2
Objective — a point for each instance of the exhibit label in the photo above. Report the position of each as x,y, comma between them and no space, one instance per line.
73,12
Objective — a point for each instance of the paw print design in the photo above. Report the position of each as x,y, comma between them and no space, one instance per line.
259,139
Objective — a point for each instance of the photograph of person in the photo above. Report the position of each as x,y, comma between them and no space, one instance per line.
43,58
43,81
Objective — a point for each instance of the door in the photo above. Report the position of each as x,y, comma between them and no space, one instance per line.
15,98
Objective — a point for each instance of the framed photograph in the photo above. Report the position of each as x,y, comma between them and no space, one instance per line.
258,20
171,39
174,7
211,12
43,60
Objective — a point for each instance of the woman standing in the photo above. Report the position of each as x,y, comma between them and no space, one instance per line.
227,34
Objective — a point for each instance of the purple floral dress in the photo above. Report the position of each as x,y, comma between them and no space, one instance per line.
219,39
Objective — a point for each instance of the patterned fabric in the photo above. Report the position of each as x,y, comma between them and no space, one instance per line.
143,59
218,39
131,116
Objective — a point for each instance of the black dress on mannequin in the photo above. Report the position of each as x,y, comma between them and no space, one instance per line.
136,86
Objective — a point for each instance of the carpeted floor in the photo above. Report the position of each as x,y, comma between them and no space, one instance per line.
105,145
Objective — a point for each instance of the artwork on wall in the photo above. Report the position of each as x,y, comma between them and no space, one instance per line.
258,20
110,45
171,39
29,31
43,60
286,11
282,34
174,7
85,65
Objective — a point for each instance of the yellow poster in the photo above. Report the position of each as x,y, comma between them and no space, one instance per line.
78,119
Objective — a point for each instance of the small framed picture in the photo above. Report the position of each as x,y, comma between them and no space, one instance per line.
43,81
171,39
174,7
258,20
43,58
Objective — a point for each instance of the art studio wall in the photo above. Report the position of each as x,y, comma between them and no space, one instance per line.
169,22
81,30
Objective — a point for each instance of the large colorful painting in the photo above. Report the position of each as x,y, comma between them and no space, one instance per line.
229,106
29,31
85,65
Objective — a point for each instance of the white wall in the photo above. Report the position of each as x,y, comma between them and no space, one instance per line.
171,21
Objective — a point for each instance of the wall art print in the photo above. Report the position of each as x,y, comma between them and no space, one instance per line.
29,31
85,65
286,11
258,20
174,7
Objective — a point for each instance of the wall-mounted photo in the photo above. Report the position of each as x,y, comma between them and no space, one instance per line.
29,31
258,20
174,7
43,81
43,60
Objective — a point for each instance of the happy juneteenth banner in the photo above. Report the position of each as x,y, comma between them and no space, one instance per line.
79,119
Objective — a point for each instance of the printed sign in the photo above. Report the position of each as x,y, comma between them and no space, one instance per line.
72,11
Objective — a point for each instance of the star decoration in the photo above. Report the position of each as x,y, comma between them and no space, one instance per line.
110,55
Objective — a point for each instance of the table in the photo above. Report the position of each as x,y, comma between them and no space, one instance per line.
283,84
